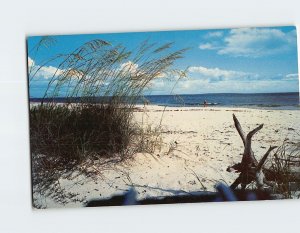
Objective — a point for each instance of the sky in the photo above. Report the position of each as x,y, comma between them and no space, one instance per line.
242,60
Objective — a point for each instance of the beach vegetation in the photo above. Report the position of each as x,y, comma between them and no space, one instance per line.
283,170
100,84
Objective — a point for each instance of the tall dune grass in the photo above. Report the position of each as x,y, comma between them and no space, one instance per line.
64,136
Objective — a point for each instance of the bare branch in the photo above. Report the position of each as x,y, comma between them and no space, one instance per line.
239,129
263,160
248,156
251,133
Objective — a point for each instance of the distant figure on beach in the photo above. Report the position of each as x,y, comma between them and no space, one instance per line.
205,103
146,102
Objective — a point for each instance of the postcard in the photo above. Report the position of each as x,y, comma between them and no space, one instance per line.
164,117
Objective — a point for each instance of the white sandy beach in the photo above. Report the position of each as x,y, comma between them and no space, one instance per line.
201,141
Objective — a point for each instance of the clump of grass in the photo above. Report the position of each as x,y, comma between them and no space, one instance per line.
64,137
106,81
282,171
74,131
148,139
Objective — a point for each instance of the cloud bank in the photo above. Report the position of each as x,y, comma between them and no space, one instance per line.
253,42
216,80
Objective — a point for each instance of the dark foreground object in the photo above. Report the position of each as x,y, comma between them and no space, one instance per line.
223,193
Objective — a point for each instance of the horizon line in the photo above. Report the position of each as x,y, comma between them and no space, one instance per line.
220,93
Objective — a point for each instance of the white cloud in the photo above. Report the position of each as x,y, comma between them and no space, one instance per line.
218,73
133,69
198,86
256,42
214,45
291,77
158,84
206,46
214,34
216,80
49,71
251,42
129,67
46,72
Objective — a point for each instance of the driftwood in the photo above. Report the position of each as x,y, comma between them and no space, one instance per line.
249,168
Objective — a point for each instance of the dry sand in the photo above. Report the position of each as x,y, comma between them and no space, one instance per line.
197,141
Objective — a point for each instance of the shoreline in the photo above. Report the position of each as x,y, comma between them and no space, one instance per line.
289,107
200,107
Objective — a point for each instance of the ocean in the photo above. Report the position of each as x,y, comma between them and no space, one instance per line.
257,100
229,100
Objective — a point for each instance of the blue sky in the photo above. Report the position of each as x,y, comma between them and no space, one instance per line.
244,60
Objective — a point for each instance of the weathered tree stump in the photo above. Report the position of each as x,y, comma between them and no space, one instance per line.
249,168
